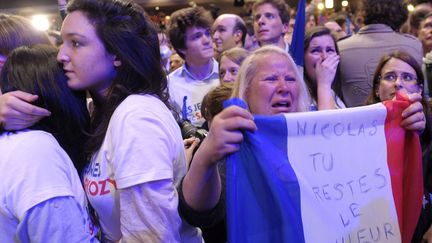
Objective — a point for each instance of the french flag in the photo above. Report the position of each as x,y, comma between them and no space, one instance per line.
339,176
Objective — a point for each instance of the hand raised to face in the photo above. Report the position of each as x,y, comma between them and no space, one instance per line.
325,69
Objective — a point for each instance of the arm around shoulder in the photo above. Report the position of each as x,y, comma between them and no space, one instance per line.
17,112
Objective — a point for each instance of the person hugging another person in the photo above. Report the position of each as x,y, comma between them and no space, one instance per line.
16,31
43,199
136,153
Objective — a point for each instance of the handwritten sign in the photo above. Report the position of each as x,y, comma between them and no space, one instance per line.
345,185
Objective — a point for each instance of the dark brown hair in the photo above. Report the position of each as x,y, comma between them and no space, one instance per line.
389,12
35,70
183,19
426,136
403,56
310,34
127,33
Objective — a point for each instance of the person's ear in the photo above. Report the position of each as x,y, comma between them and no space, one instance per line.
238,36
116,61
285,28
377,92
420,89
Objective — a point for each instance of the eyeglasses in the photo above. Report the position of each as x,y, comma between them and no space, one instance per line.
405,77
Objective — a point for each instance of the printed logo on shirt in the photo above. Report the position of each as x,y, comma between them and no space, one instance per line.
93,169
101,187
194,112
94,185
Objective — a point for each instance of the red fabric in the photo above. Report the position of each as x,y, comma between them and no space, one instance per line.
405,164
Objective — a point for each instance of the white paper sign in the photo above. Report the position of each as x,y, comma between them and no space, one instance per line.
341,165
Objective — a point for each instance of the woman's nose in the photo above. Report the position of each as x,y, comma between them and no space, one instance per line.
398,83
227,77
282,86
324,55
61,56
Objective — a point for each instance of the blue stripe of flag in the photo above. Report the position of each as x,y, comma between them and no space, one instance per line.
262,207
297,43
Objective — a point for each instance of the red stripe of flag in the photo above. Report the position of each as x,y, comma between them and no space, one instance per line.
405,165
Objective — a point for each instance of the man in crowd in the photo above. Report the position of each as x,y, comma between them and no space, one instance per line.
271,20
190,35
229,30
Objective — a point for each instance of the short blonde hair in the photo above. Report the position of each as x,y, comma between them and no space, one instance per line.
235,54
248,70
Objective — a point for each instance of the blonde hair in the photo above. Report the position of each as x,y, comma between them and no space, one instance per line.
235,54
248,70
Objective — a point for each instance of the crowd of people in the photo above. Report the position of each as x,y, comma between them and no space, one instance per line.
92,123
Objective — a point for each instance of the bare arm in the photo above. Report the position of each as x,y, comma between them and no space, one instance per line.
202,185
190,144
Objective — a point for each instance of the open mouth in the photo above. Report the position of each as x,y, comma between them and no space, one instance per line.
281,107
284,104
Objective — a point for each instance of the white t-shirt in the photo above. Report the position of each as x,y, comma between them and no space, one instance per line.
33,169
142,156
182,83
